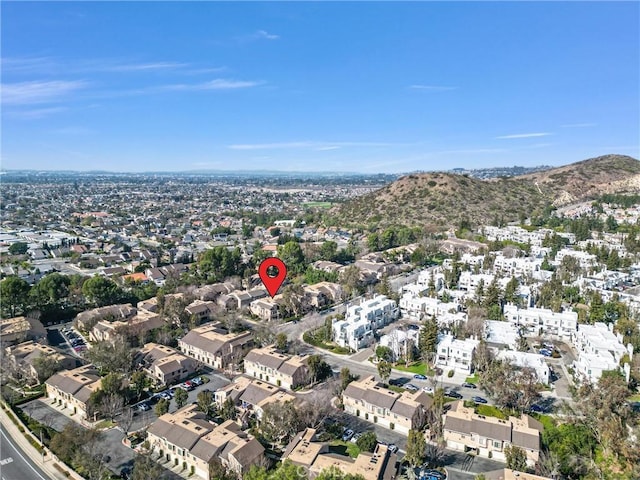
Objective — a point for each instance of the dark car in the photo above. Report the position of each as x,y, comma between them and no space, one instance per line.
452,394
468,385
479,399
536,409
419,376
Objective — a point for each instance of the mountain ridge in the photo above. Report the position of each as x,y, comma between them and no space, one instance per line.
444,199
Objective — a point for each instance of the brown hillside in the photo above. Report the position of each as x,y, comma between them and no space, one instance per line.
444,199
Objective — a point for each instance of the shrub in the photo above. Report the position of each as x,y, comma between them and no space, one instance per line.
450,374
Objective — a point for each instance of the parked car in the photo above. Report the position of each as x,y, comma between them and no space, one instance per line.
452,394
411,386
468,385
347,435
393,448
355,438
427,389
419,376
536,409
432,475
545,352
143,407
197,381
479,399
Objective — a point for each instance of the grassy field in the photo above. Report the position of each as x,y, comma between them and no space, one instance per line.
344,448
416,368
473,379
318,204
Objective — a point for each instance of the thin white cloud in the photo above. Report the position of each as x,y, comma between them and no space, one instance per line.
35,113
72,130
313,145
25,93
524,135
27,64
432,88
266,35
137,67
328,147
216,84
579,125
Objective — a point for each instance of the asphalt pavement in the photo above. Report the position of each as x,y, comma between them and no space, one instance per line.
14,463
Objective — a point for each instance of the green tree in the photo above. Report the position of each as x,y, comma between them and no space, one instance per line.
373,242
345,378
280,421
282,341
50,290
228,410
145,468
112,384
205,402
328,251
13,292
18,248
428,339
350,280
45,366
384,370
318,368
138,382
162,407
101,291
367,442
293,257
181,396
516,458
384,353
416,448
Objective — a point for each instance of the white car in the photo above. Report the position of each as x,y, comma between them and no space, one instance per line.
427,389
347,435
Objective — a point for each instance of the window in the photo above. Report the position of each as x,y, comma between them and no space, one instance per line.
497,444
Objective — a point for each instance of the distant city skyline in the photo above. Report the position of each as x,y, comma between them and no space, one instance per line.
304,86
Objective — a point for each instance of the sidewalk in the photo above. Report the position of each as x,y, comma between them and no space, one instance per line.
20,440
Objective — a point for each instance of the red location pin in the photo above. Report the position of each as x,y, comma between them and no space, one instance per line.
272,282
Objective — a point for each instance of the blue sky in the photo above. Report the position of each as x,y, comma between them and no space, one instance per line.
368,87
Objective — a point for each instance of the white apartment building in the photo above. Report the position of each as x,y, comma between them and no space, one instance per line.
470,281
415,306
534,361
400,340
543,321
586,259
599,349
455,354
517,267
356,331
502,333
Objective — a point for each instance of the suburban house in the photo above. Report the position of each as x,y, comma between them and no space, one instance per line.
357,330
201,310
456,354
265,309
314,456
397,411
19,329
467,431
187,438
71,389
140,324
21,357
508,474
87,319
277,368
214,346
164,364
250,396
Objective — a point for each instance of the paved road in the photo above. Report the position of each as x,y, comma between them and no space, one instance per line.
14,463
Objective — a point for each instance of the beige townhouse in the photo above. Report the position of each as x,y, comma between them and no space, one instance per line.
282,370
401,412
486,436
187,438
215,346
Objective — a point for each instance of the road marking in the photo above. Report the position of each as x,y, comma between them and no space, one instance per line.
19,454
6,460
